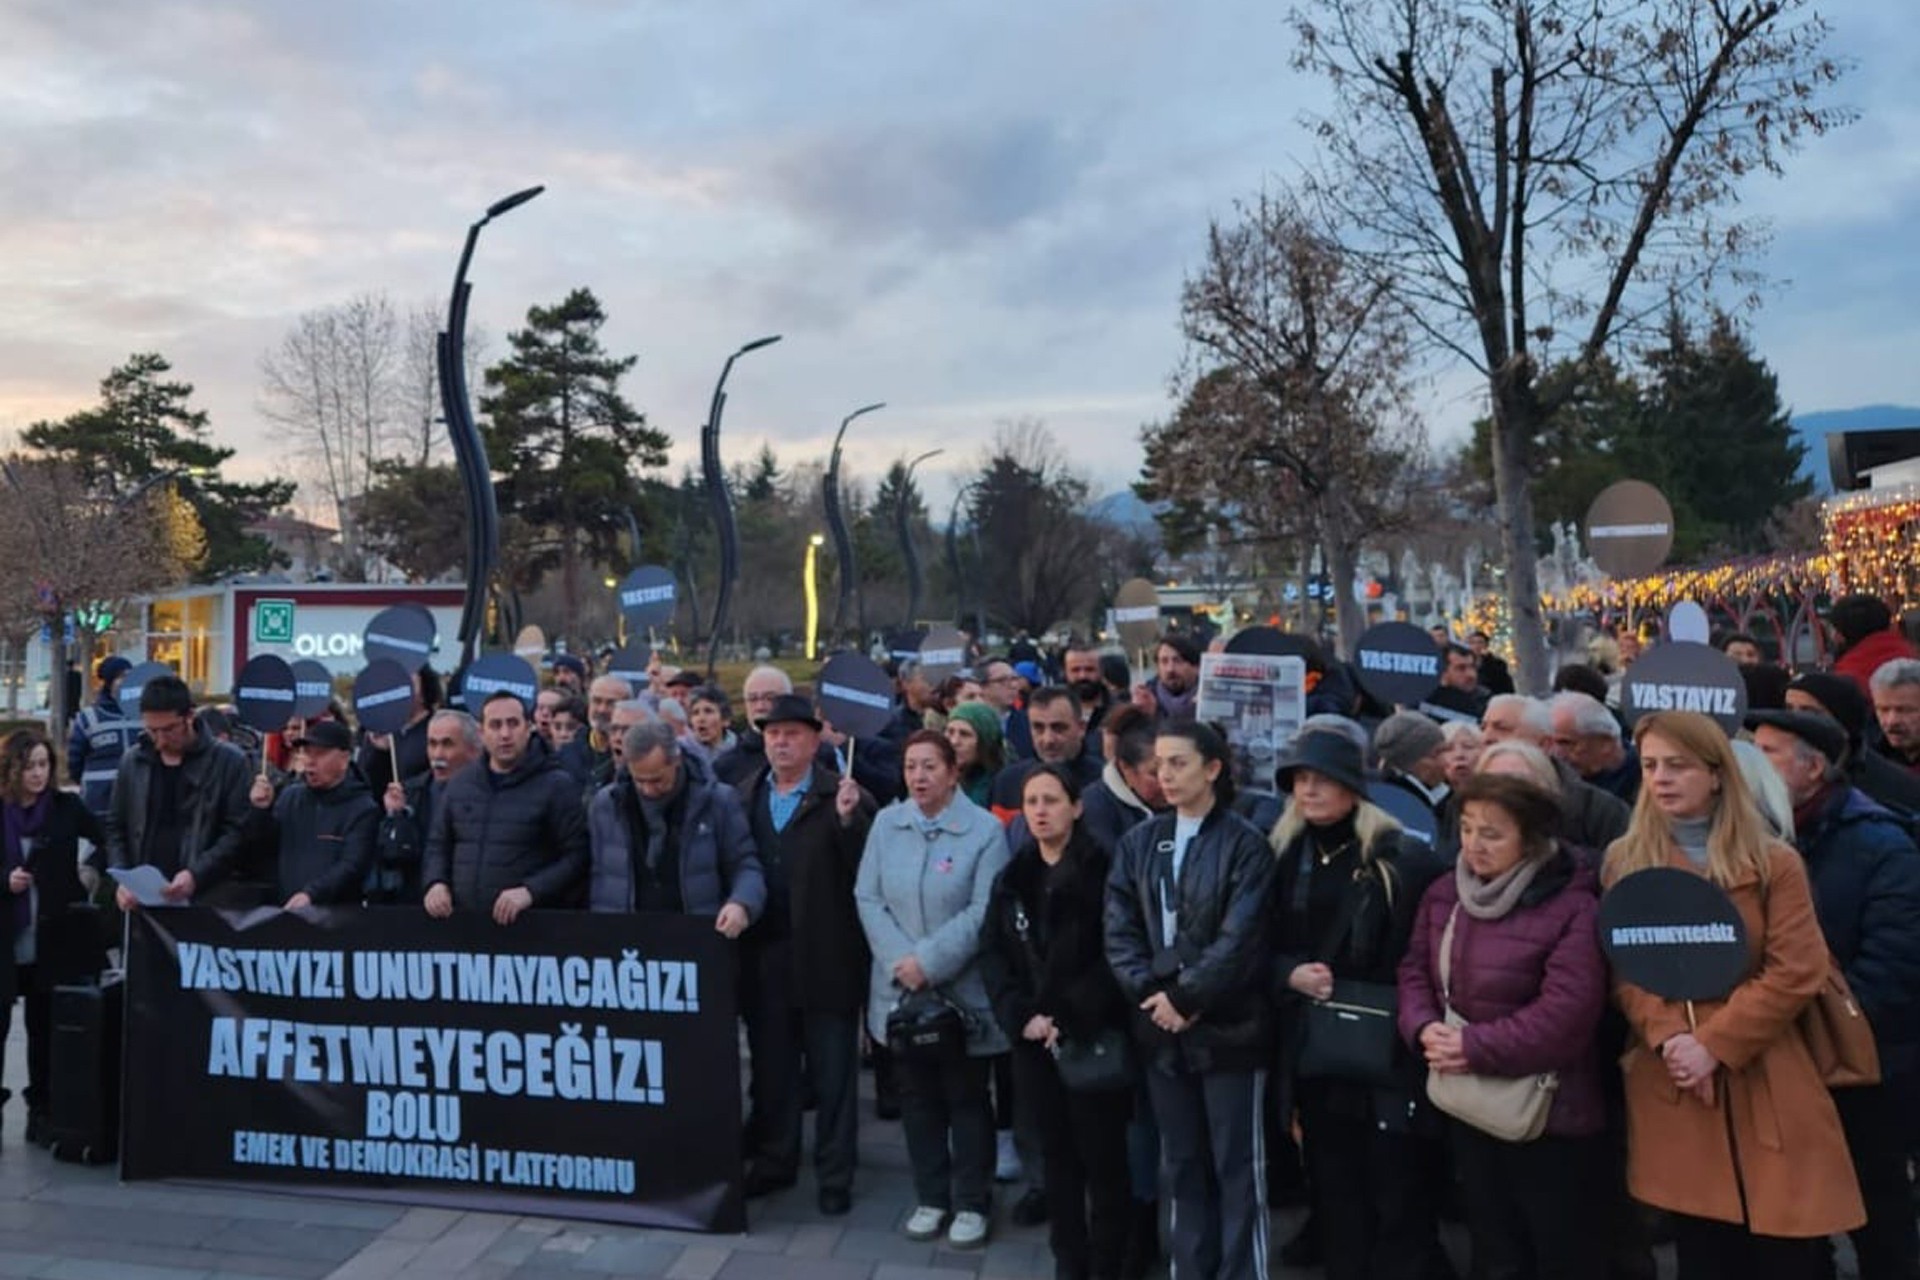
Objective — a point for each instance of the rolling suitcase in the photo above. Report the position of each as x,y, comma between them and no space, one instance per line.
85,1112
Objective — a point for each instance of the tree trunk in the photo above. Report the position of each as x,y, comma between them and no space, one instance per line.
1349,618
1513,426
569,580
57,680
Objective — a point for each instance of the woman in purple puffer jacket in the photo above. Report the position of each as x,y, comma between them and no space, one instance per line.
1529,984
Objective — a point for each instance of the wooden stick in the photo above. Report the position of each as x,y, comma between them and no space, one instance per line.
393,746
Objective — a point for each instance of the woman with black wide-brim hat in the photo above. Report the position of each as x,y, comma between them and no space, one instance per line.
1346,884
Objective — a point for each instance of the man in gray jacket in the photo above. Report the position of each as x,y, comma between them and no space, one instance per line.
665,840
179,800
509,833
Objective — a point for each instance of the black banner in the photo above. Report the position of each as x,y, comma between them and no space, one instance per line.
570,1064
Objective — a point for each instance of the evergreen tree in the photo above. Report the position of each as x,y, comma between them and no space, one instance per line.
1714,435
567,441
142,428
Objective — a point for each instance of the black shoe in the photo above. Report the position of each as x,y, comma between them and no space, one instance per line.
37,1126
1030,1210
1304,1249
762,1183
835,1201
1142,1252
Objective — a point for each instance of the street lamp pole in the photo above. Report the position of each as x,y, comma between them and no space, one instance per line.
470,453
813,597
837,521
903,518
722,502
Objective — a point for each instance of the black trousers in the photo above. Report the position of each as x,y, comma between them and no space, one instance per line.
1083,1139
949,1127
785,1046
1213,1149
39,1012
1888,1247
1534,1209
1372,1199
1709,1250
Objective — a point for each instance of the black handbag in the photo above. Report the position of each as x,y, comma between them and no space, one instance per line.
1100,1064
1354,1035
924,1026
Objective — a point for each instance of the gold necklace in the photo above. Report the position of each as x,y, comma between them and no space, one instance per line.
1326,856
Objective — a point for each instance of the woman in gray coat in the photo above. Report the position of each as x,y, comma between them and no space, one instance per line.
923,888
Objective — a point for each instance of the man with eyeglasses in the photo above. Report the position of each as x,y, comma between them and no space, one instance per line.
1000,687
748,755
179,800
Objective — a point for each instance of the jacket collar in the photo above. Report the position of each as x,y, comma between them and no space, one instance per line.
1110,774
955,820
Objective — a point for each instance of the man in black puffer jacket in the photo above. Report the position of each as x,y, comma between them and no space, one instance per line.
321,828
510,833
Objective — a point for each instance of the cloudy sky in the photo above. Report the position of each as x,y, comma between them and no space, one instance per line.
973,212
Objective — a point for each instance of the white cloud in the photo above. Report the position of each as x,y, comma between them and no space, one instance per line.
973,212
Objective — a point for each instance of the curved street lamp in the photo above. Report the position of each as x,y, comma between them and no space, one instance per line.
902,512
837,523
470,453
722,503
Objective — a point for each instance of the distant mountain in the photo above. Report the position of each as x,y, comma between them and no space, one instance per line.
1125,510
1814,428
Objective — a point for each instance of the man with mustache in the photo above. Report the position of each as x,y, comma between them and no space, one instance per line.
453,742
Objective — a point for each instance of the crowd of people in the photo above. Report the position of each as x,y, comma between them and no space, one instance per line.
1078,960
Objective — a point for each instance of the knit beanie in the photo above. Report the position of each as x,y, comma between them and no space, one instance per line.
1404,739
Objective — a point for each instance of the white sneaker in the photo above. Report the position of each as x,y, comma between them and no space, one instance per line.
925,1222
1006,1160
969,1230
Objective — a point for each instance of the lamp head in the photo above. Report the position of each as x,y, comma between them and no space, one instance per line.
514,201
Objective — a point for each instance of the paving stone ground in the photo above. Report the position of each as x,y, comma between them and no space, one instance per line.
69,1222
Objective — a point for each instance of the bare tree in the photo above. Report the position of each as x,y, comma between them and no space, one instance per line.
331,384
1542,175
1294,402
420,431
78,551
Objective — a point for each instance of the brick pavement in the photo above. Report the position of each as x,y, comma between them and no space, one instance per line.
67,1222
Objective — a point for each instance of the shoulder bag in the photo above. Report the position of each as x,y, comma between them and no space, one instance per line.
1353,1034
1104,1062
1838,1036
1510,1108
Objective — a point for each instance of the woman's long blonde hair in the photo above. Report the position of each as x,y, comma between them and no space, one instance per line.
1738,841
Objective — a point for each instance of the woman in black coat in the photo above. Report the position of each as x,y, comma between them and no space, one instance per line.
1043,956
1346,885
40,832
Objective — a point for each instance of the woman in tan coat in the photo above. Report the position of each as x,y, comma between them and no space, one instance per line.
1729,1125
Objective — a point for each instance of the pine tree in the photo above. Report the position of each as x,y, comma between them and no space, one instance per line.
568,443
1715,436
143,428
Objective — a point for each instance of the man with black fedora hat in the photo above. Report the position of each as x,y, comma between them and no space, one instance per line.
1864,872
803,967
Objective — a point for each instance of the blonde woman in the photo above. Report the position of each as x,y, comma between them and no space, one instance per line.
1463,748
1730,1128
1347,881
